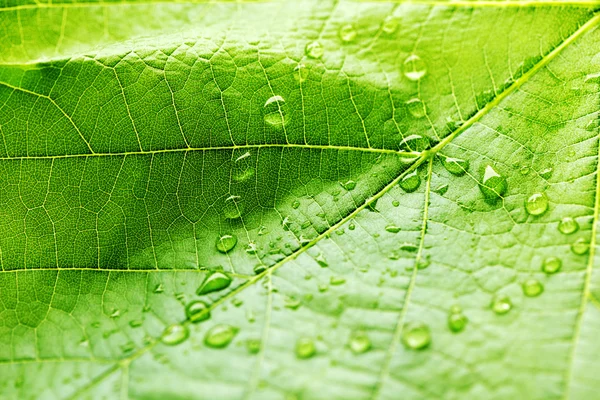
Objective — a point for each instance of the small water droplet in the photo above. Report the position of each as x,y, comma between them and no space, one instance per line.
251,248
410,247
259,269
226,243
301,73
456,166
532,288
253,346
423,263
551,265
568,226
305,348
415,143
275,112
336,280
395,203
352,226
392,228
291,303
219,336
546,173
537,204
314,50
286,223
580,246
349,185
136,323
372,206
159,288
390,25
233,207
501,304
593,125
593,78
411,182
493,185
214,282
414,67
524,170
347,33
197,311
416,108
416,335
295,204
175,334
457,321
359,342
442,189
320,259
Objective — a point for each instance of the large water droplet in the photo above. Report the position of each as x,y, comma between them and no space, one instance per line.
456,319
493,185
301,73
532,288
314,50
347,33
414,143
305,348
275,112
253,346
416,108
414,67
233,207
456,166
349,185
416,335
219,336
359,342
537,204
411,182
501,304
580,246
551,265
197,311
546,173
392,228
390,25
214,282
568,226
226,243
175,334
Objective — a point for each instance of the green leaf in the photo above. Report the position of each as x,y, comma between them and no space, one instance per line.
299,200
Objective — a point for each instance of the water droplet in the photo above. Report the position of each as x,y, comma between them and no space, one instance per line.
275,112
175,334
251,248
416,335
352,226
456,319
537,204
546,173
291,303
197,311
372,206
136,323
214,282
411,182
359,342
593,125
423,263
159,288
320,259
456,166
532,288
416,108
415,143
301,73
395,203
494,185
594,78
226,243
253,346
501,304
349,185
392,228
305,348
233,207
524,170
551,265
295,204
568,226
347,33
580,246
414,67
336,280
442,189
390,25
314,50
410,247
219,336
286,223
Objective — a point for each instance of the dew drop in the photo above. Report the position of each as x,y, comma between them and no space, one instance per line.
275,112
243,174
336,281
233,207
320,259
392,228
395,203
219,336
253,346
551,265
537,204
525,170
457,321
416,335
359,342
136,323
593,78
593,125
456,166
214,282
546,173
532,288
493,186
568,226
414,67
295,204
390,25
159,288
259,269
305,348
416,108
175,334
301,73
197,311
415,143
314,50
349,185
501,304
441,190
347,33
226,243
580,246
411,182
